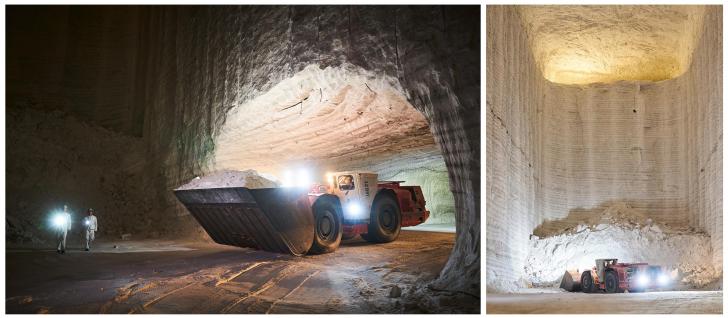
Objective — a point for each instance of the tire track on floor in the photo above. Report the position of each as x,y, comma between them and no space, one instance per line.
273,281
158,298
215,280
291,291
236,275
125,293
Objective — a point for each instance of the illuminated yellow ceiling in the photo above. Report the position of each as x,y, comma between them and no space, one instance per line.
588,44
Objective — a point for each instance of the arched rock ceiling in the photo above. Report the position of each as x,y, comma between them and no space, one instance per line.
326,119
588,44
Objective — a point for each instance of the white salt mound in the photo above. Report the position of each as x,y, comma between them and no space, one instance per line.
231,179
628,236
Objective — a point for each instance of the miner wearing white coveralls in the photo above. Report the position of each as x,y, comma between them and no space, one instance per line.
63,225
91,227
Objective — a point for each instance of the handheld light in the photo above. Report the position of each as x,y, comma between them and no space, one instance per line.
58,220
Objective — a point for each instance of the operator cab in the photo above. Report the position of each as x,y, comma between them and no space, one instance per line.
356,191
602,264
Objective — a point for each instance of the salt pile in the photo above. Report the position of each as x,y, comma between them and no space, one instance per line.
230,179
629,236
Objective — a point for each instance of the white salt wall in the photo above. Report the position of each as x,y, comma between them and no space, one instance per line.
515,89
555,151
704,167
615,142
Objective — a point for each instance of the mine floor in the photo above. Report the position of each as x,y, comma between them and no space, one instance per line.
174,277
665,302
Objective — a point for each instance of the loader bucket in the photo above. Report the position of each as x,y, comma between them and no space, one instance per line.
272,219
571,281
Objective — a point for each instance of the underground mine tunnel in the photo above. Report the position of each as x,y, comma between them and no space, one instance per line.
112,108
604,141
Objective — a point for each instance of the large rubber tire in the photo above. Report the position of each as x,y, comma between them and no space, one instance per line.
611,282
385,220
327,227
587,283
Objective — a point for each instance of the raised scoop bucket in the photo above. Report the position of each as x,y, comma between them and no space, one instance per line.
272,219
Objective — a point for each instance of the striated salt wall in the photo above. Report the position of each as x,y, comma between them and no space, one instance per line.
703,118
615,142
515,91
560,152
77,59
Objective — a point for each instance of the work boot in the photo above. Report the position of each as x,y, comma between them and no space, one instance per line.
63,251
87,249
58,251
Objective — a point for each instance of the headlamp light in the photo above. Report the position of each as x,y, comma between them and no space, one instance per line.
663,279
642,280
353,211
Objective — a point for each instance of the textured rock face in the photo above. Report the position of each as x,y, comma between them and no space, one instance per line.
195,65
588,44
563,151
55,159
515,91
79,59
326,117
704,168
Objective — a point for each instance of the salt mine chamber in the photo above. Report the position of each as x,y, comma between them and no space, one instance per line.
604,135
117,106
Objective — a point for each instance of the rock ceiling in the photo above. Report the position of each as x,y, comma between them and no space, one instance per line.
588,44
324,119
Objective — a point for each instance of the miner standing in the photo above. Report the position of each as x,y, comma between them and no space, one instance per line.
63,223
91,227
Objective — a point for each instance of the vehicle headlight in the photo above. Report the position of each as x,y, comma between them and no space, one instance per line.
642,280
353,211
663,279
303,179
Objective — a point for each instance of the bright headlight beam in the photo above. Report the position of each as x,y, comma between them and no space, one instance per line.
353,211
642,280
663,279
303,178
287,178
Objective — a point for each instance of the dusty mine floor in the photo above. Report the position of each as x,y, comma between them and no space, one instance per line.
665,302
174,277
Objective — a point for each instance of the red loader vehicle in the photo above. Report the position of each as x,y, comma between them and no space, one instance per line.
307,220
613,277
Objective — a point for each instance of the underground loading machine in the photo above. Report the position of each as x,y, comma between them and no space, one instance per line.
613,277
301,220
